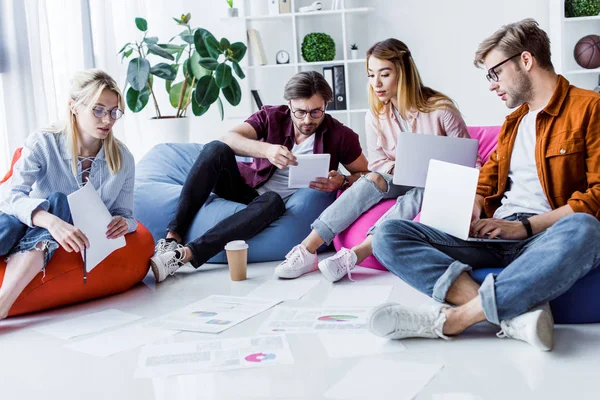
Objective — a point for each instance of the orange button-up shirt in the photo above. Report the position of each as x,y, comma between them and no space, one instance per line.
567,152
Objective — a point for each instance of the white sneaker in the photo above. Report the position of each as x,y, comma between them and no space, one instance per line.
535,327
165,264
164,246
395,321
298,261
337,266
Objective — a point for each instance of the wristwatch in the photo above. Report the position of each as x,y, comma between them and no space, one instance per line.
346,183
527,224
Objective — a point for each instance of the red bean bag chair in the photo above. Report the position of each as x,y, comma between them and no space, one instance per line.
357,232
63,283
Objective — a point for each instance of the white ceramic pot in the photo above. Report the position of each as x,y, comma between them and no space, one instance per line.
354,54
165,130
232,12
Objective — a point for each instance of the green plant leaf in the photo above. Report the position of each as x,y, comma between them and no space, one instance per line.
178,21
223,75
175,93
238,51
168,85
221,111
195,66
151,40
172,48
207,90
123,48
197,109
238,70
233,92
213,46
208,63
199,42
187,71
136,101
159,51
165,71
224,44
126,54
186,37
141,24
137,73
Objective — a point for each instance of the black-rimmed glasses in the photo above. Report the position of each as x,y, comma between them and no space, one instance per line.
301,114
100,112
492,75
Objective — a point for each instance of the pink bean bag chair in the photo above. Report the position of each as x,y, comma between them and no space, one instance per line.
356,233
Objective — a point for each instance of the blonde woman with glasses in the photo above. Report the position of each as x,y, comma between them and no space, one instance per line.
34,214
399,102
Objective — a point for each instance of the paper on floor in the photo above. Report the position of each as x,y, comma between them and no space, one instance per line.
357,295
310,320
122,339
383,379
213,355
86,324
213,314
283,289
342,345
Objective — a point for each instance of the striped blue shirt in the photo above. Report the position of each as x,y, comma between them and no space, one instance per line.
45,167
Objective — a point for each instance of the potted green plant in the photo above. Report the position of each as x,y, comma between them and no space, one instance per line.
354,51
206,67
231,11
318,46
581,8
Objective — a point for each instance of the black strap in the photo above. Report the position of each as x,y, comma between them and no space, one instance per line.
527,224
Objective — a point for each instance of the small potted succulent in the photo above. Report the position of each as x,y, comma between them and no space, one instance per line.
354,51
231,11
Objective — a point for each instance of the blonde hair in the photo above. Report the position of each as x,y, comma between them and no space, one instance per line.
515,38
411,94
86,88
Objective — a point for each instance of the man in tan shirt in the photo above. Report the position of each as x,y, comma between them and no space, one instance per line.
541,186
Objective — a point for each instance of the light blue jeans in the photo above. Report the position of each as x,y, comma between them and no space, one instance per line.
361,196
536,270
16,237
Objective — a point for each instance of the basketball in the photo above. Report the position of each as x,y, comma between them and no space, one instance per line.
587,51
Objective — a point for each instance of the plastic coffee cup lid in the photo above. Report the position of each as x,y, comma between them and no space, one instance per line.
236,245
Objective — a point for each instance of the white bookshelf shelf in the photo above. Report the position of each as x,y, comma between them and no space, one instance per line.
309,14
309,64
583,71
582,19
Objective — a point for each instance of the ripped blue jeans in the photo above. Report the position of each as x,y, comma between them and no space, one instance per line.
361,196
16,237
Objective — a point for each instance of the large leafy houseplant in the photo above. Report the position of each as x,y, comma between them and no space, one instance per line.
207,67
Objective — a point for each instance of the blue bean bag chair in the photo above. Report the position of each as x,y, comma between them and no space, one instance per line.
160,176
578,305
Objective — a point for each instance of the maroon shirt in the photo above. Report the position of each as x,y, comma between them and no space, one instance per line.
273,124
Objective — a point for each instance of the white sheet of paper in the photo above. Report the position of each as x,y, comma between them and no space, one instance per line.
122,339
310,166
213,355
449,197
213,314
283,289
92,217
342,345
355,295
87,324
386,380
310,320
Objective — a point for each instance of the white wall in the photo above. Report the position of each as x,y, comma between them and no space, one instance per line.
443,36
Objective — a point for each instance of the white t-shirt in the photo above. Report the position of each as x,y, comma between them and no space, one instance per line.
278,183
525,194
402,123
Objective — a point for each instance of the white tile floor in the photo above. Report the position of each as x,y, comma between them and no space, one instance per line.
35,366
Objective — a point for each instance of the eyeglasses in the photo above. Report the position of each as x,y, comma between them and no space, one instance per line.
301,114
492,75
100,112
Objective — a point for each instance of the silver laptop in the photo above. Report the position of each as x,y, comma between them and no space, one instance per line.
448,200
413,152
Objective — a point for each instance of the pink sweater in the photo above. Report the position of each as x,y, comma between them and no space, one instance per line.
381,147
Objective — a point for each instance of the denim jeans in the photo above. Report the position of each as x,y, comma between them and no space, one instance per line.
535,270
16,237
216,171
357,199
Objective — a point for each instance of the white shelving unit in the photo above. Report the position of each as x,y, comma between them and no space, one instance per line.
286,32
564,34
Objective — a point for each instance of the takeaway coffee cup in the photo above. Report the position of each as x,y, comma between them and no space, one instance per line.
237,258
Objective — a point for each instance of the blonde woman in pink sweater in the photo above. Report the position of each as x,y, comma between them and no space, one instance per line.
399,102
